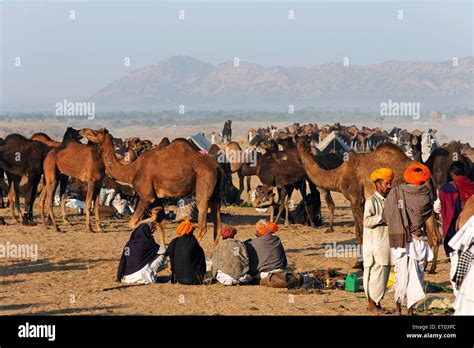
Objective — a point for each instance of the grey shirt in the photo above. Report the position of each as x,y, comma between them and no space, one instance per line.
266,254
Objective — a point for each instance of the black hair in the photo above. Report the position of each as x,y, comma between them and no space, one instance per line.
457,168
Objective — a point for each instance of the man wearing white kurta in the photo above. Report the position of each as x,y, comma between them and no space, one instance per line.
375,244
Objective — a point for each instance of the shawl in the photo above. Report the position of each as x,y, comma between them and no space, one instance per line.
140,250
230,257
407,207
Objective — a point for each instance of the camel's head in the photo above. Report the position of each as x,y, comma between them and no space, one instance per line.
94,136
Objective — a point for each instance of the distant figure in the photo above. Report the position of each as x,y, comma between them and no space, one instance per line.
213,138
227,132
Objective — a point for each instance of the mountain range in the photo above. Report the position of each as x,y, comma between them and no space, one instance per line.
184,80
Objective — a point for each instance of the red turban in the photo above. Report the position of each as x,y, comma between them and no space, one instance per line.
185,227
417,174
265,227
228,232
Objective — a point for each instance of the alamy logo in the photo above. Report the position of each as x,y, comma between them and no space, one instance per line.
66,108
37,331
392,108
20,251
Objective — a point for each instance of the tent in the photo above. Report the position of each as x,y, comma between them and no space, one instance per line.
332,143
199,142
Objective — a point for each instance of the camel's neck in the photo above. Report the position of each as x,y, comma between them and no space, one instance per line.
120,172
326,179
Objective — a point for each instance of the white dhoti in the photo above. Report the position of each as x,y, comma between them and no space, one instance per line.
375,281
226,279
375,249
409,271
464,302
147,274
463,240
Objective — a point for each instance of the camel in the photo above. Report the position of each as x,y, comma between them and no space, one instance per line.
80,161
45,139
466,213
283,170
22,189
352,179
175,170
468,151
440,160
230,166
19,157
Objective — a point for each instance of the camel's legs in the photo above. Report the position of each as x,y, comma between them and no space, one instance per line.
42,200
331,206
306,208
241,185
62,193
435,239
90,192
96,199
50,188
281,200
14,196
11,202
249,189
358,212
143,204
202,216
216,219
32,187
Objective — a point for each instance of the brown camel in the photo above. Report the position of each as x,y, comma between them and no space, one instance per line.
352,179
19,157
233,163
466,213
175,170
82,162
45,139
283,170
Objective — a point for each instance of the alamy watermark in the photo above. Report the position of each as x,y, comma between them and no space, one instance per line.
237,156
336,250
19,251
67,108
392,108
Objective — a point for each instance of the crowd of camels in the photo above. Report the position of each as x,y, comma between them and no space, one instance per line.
287,160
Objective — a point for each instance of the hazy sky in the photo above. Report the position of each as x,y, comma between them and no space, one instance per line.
73,59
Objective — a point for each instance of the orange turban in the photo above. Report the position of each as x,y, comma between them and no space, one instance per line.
265,227
185,227
381,174
417,174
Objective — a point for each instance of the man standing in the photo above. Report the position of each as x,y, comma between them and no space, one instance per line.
407,208
375,245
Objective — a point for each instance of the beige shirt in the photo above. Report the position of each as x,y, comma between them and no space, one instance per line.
375,241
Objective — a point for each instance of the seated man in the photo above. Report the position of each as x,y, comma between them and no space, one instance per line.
230,262
262,201
188,263
267,258
142,258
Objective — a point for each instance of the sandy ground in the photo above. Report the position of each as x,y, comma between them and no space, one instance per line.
74,267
